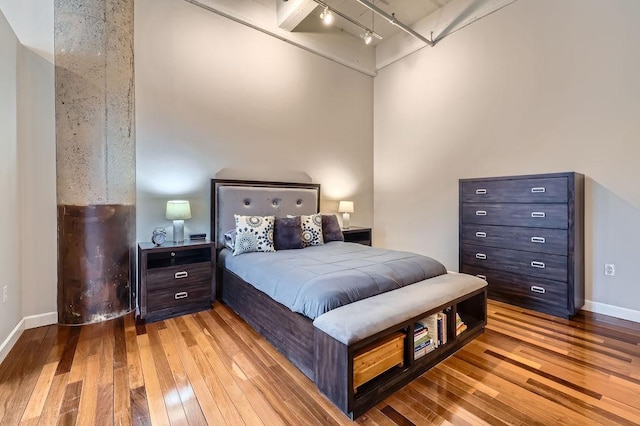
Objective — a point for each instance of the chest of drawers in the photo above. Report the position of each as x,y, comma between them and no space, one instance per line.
525,236
175,279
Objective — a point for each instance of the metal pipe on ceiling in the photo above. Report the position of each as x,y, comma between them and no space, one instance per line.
393,20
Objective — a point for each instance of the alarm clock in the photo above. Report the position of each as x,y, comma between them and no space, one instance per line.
159,236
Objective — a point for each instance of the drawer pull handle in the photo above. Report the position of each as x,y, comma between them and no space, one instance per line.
481,256
181,295
538,214
481,213
538,189
536,264
481,191
540,240
484,277
536,289
183,274
481,234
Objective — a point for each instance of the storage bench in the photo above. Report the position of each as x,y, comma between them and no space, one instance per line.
364,351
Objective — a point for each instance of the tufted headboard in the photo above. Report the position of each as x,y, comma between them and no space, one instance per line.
229,197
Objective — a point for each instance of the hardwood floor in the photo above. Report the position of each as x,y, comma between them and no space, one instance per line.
211,368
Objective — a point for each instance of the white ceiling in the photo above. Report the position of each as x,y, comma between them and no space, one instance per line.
32,21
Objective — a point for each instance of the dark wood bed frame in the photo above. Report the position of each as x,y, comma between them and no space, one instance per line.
324,360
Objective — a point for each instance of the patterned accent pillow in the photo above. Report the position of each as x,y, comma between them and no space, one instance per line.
311,230
253,233
331,228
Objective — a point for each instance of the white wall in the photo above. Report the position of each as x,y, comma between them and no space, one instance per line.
37,165
10,312
539,86
215,98
28,247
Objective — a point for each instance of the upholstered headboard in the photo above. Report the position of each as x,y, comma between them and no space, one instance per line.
249,198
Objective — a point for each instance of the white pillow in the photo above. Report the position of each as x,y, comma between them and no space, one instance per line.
230,239
253,233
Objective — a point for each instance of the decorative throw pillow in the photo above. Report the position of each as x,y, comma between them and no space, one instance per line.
311,230
331,228
230,239
288,233
253,233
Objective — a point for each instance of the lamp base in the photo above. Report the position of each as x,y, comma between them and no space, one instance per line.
345,220
178,231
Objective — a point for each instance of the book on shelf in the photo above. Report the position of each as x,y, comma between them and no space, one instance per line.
459,329
460,325
420,334
442,328
435,325
431,324
423,350
422,340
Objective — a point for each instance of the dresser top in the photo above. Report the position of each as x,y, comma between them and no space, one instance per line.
537,176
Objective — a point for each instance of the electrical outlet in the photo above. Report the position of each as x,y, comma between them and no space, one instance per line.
609,269
5,289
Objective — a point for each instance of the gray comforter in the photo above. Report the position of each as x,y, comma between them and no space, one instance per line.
317,279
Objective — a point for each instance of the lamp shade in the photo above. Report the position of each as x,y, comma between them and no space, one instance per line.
345,207
178,210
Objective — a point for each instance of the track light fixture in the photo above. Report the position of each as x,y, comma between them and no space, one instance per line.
367,37
326,16
393,20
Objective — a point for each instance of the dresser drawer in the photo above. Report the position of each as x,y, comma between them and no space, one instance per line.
177,296
528,215
179,275
539,240
522,290
539,265
534,190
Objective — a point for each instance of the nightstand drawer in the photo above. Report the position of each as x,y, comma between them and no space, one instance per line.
547,266
177,276
522,289
539,240
535,190
179,295
529,215
177,256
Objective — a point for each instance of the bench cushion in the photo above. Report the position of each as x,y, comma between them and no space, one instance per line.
356,321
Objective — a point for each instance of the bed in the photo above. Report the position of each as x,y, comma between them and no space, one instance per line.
336,346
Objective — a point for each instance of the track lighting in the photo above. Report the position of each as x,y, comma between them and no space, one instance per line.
326,16
392,20
367,37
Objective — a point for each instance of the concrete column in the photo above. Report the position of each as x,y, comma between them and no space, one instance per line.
95,143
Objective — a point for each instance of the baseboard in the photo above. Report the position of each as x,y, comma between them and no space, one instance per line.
40,320
26,323
611,310
11,340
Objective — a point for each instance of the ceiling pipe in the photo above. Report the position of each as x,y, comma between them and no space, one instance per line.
354,22
393,20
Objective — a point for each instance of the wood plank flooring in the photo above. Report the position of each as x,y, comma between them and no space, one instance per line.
212,368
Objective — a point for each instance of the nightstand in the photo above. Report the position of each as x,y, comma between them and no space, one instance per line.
356,234
175,279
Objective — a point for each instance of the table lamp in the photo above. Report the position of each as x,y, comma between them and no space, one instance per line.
345,207
178,211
